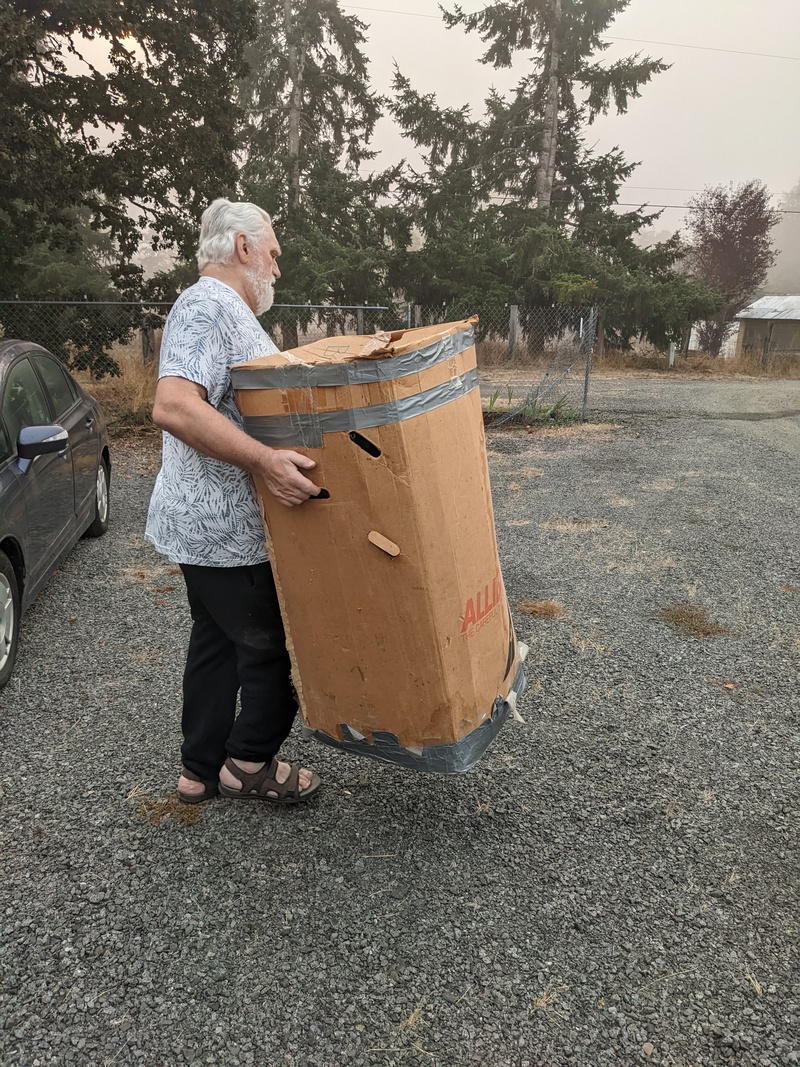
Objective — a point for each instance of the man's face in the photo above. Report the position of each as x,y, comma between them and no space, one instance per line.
262,271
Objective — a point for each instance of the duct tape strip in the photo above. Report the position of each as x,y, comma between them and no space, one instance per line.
305,430
305,376
457,758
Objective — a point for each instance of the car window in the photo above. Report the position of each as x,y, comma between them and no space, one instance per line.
57,383
24,402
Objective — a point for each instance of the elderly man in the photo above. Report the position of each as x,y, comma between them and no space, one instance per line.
204,516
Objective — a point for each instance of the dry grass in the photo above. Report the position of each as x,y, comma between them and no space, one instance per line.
155,810
689,620
126,401
747,365
545,1002
562,524
541,609
601,431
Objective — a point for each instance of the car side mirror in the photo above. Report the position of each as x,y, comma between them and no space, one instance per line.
36,441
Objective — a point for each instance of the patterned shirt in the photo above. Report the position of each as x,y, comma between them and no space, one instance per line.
203,511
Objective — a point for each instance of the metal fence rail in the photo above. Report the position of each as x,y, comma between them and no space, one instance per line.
530,359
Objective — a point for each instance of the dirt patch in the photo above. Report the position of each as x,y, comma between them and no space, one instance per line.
690,620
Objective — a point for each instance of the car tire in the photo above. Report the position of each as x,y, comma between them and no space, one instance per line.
102,502
9,618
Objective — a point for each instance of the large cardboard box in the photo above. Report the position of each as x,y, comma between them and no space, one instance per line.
401,638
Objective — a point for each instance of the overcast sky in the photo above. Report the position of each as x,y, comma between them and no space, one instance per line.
716,116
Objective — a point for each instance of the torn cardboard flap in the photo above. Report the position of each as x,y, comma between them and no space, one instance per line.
355,349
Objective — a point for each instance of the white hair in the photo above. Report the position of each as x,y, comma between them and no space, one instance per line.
221,222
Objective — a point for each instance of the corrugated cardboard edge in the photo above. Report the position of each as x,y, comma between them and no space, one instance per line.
457,758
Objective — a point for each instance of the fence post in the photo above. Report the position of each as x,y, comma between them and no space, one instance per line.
148,335
590,336
360,320
685,342
513,330
408,316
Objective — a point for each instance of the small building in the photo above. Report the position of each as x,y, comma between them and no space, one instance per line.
770,326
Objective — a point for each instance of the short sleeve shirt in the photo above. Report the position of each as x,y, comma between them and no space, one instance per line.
202,511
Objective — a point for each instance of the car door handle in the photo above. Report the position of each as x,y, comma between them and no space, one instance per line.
89,423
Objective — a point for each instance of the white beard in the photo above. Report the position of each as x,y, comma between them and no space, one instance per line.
262,286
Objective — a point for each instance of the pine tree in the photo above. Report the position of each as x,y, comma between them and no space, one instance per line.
310,115
144,141
513,207
546,160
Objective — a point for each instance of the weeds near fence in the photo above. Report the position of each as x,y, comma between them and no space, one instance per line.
126,400
747,364
530,411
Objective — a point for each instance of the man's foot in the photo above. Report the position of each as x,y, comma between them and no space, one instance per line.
281,783
188,788
192,789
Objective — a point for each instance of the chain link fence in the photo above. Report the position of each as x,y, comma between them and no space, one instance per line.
531,360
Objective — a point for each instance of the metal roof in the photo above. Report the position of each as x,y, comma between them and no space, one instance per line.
772,307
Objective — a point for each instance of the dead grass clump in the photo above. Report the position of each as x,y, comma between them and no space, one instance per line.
127,400
746,364
155,810
542,609
562,524
689,620
601,430
632,359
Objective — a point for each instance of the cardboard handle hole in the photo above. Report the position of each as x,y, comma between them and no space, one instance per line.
364,443
323,494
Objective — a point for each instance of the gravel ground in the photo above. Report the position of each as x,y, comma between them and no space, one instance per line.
614,884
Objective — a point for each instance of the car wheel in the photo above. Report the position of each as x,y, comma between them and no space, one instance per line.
102,502
9,618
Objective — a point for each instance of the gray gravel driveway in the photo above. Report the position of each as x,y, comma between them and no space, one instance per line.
615,884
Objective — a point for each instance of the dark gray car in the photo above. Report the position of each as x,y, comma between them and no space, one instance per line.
55,473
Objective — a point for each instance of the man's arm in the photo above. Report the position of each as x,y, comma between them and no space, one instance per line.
181,408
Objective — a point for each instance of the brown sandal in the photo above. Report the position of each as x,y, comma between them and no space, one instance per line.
260,784
211,788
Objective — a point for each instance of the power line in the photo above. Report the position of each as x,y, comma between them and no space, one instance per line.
664,188
686,207
625,203
703,48
632,40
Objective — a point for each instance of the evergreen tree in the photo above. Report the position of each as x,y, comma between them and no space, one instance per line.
542,126
310,113
143,136
516,204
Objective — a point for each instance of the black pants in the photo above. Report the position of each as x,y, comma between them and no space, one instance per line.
237,644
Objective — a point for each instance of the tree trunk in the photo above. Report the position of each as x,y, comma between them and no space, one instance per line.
546,168
296,61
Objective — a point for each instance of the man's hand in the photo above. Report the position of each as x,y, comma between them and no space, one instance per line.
181,408
281,473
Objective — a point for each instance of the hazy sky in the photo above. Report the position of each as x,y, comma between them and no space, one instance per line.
714,117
